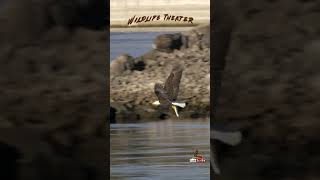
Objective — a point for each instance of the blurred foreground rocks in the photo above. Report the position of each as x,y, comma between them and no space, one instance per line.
53,79
271,89
132,79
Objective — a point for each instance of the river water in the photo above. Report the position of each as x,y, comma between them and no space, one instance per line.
132,43
159,150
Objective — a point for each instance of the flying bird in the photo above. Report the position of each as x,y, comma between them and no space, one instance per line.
167,94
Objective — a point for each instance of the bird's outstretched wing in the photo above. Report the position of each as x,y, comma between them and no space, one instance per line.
161,94
172,84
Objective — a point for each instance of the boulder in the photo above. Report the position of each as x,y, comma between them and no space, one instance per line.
168,42
121,64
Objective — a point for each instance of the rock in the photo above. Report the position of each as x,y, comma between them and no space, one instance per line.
54,96
168,42
133,92
269,88
198,38
41,16
122,63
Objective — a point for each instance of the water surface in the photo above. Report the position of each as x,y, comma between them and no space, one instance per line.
159,150
132,43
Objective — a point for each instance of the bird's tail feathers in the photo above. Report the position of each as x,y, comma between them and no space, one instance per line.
182,105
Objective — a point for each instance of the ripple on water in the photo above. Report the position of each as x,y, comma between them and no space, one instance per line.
159,150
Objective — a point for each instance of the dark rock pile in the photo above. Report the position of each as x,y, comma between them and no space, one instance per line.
271,89
53,92
132,80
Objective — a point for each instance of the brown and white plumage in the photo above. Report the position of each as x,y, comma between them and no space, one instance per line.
168,93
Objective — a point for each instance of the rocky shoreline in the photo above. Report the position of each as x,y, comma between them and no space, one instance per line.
270,88
132,79
53,95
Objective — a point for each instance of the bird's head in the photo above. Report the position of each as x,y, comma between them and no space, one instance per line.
156,103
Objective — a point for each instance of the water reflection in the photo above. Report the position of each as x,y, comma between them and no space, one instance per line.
159,150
